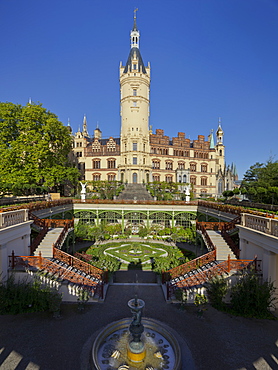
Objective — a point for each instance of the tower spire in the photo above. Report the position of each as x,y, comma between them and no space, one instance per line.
134,20
219,121
84,128
134,34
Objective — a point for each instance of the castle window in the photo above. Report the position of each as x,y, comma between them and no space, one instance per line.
169,178
169,165
156,178
135,147
134,92
79,154
193,167
111,177
203,181
181,165
96,163
135,103
96,177
134,160
204,168
111,163
193,180
156,164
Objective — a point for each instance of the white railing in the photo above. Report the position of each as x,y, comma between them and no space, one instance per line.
263,224
13,218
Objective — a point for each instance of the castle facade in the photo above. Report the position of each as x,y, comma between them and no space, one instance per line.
141,156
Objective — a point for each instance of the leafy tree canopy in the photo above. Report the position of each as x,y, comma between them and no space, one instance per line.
261,182
34,148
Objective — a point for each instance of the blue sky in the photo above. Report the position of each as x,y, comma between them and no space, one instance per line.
209,59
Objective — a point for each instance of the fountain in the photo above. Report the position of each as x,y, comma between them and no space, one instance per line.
136,344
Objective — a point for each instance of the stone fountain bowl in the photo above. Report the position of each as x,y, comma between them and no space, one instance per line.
150,325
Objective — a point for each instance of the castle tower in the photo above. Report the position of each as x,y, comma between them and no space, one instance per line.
220,148
135,165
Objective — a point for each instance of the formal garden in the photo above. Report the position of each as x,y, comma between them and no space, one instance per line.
126,255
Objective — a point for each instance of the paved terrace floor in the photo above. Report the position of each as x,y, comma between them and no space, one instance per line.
216,341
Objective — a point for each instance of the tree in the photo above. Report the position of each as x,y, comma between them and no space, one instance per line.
34,149
261,182
228,193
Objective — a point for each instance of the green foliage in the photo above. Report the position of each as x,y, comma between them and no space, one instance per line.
261,182
216,290
34,149
23,297
164,190
82,298
105,189
200,300
180,295
252,297
103,261
228,193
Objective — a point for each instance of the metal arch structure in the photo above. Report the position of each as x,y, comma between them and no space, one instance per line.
146,217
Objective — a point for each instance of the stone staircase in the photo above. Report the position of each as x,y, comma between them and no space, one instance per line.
222,248
46,245
135,192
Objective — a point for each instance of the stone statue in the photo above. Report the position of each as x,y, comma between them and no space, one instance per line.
83,191
187,193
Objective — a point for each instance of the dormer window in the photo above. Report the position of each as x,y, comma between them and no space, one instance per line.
134,66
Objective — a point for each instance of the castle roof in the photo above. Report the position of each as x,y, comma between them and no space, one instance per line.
131,57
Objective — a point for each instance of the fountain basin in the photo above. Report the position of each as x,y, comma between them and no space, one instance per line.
162,348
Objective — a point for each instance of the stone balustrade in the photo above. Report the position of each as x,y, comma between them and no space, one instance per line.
13,218
263,224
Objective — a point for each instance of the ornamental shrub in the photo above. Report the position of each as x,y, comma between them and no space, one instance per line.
23,296
216,290
253,297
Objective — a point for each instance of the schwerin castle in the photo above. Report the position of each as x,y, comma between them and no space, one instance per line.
141,156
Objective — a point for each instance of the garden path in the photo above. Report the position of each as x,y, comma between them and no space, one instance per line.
217,341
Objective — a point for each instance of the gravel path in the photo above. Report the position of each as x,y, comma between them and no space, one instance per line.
216,341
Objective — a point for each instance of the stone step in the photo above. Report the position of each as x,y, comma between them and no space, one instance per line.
135,192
